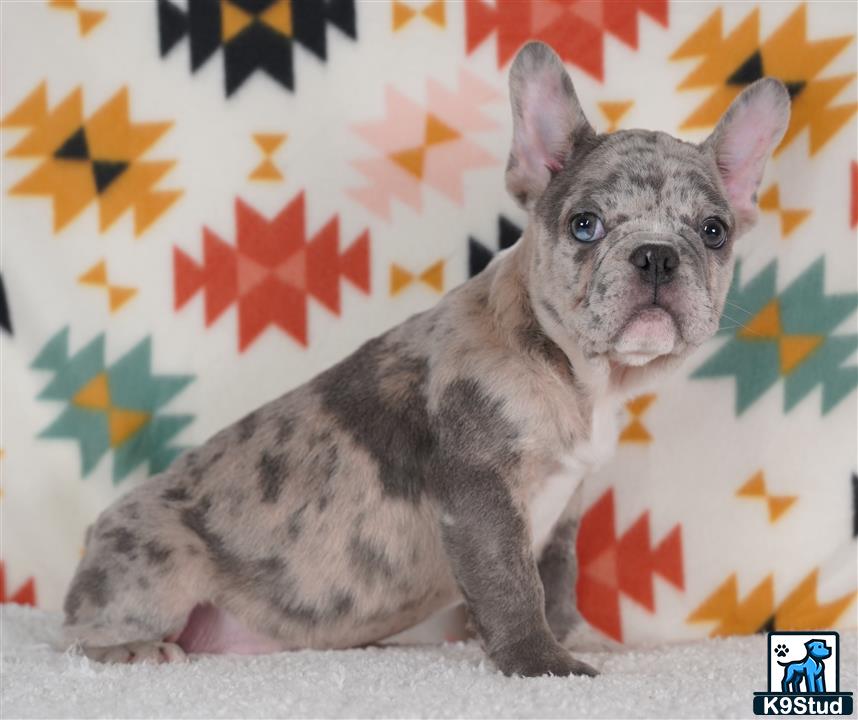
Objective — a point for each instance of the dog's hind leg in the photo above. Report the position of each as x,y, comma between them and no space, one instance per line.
132,593
786,683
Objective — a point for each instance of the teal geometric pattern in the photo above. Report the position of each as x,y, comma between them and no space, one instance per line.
804,311
132,391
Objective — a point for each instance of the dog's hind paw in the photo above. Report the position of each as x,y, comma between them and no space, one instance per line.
136,652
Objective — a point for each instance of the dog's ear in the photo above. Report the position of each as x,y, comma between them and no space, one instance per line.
745,138
546,119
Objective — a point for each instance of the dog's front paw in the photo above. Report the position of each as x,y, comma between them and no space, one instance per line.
533,657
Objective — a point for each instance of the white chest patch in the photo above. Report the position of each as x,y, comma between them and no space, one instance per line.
554,494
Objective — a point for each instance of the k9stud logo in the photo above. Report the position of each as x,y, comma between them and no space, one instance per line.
804,676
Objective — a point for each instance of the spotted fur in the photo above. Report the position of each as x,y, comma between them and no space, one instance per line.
414,473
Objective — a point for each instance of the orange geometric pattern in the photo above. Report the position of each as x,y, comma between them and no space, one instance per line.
790,218
24,595
121,423
576,30
272,271
235,19
614,111
635,431
433,276
94,160
755,488
609,566
268,143
403,13
86,19
800,610
729,63
412,159
429,145
766,326
117,295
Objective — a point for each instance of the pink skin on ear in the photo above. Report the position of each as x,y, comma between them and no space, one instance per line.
742,157
745,138
539,139
546,116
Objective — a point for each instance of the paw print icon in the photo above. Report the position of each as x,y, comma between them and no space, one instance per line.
781,650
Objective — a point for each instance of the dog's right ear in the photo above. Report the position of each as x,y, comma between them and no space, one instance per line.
546,120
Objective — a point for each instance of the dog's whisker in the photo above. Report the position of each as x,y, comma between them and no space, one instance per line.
741,325
738,307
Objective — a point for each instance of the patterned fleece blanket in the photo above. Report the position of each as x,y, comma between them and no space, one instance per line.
205,202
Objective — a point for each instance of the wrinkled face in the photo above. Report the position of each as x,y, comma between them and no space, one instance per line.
634,241
631,233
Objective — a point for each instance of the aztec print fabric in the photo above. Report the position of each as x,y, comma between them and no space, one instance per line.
206,202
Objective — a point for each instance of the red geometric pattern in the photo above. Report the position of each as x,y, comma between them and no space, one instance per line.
271,271
24,595
609,565
575,29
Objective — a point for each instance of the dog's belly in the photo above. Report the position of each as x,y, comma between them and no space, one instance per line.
212,630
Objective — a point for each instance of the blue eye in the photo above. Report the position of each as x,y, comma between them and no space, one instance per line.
586,227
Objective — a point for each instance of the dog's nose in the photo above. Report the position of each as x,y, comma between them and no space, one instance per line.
657,262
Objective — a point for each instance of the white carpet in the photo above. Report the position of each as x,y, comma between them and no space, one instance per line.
712,678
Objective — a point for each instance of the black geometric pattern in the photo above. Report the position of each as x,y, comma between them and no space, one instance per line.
479,255
254,34
104,171
5,315
855,505
752,70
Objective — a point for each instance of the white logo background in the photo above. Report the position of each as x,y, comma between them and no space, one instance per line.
796,652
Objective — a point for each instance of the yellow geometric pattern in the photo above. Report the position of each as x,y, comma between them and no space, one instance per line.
755,488
433,276
434,12
614,111
117,295
235,19
729,63
791,218
635,431
800,610
86,19
268,143
121,423
93,160
766,326
436,132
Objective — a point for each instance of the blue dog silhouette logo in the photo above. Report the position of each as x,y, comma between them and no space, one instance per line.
804,675
810,671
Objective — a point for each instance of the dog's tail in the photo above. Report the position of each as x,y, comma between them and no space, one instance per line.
783,664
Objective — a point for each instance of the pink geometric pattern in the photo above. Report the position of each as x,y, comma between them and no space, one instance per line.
430,144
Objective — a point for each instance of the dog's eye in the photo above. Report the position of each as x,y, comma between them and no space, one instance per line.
586,227
713,232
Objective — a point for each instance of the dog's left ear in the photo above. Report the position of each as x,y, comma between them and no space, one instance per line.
745,138
546,118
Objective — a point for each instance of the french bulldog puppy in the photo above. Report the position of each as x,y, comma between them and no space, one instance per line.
437,462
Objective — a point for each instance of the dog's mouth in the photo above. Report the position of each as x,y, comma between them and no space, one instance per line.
649,333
